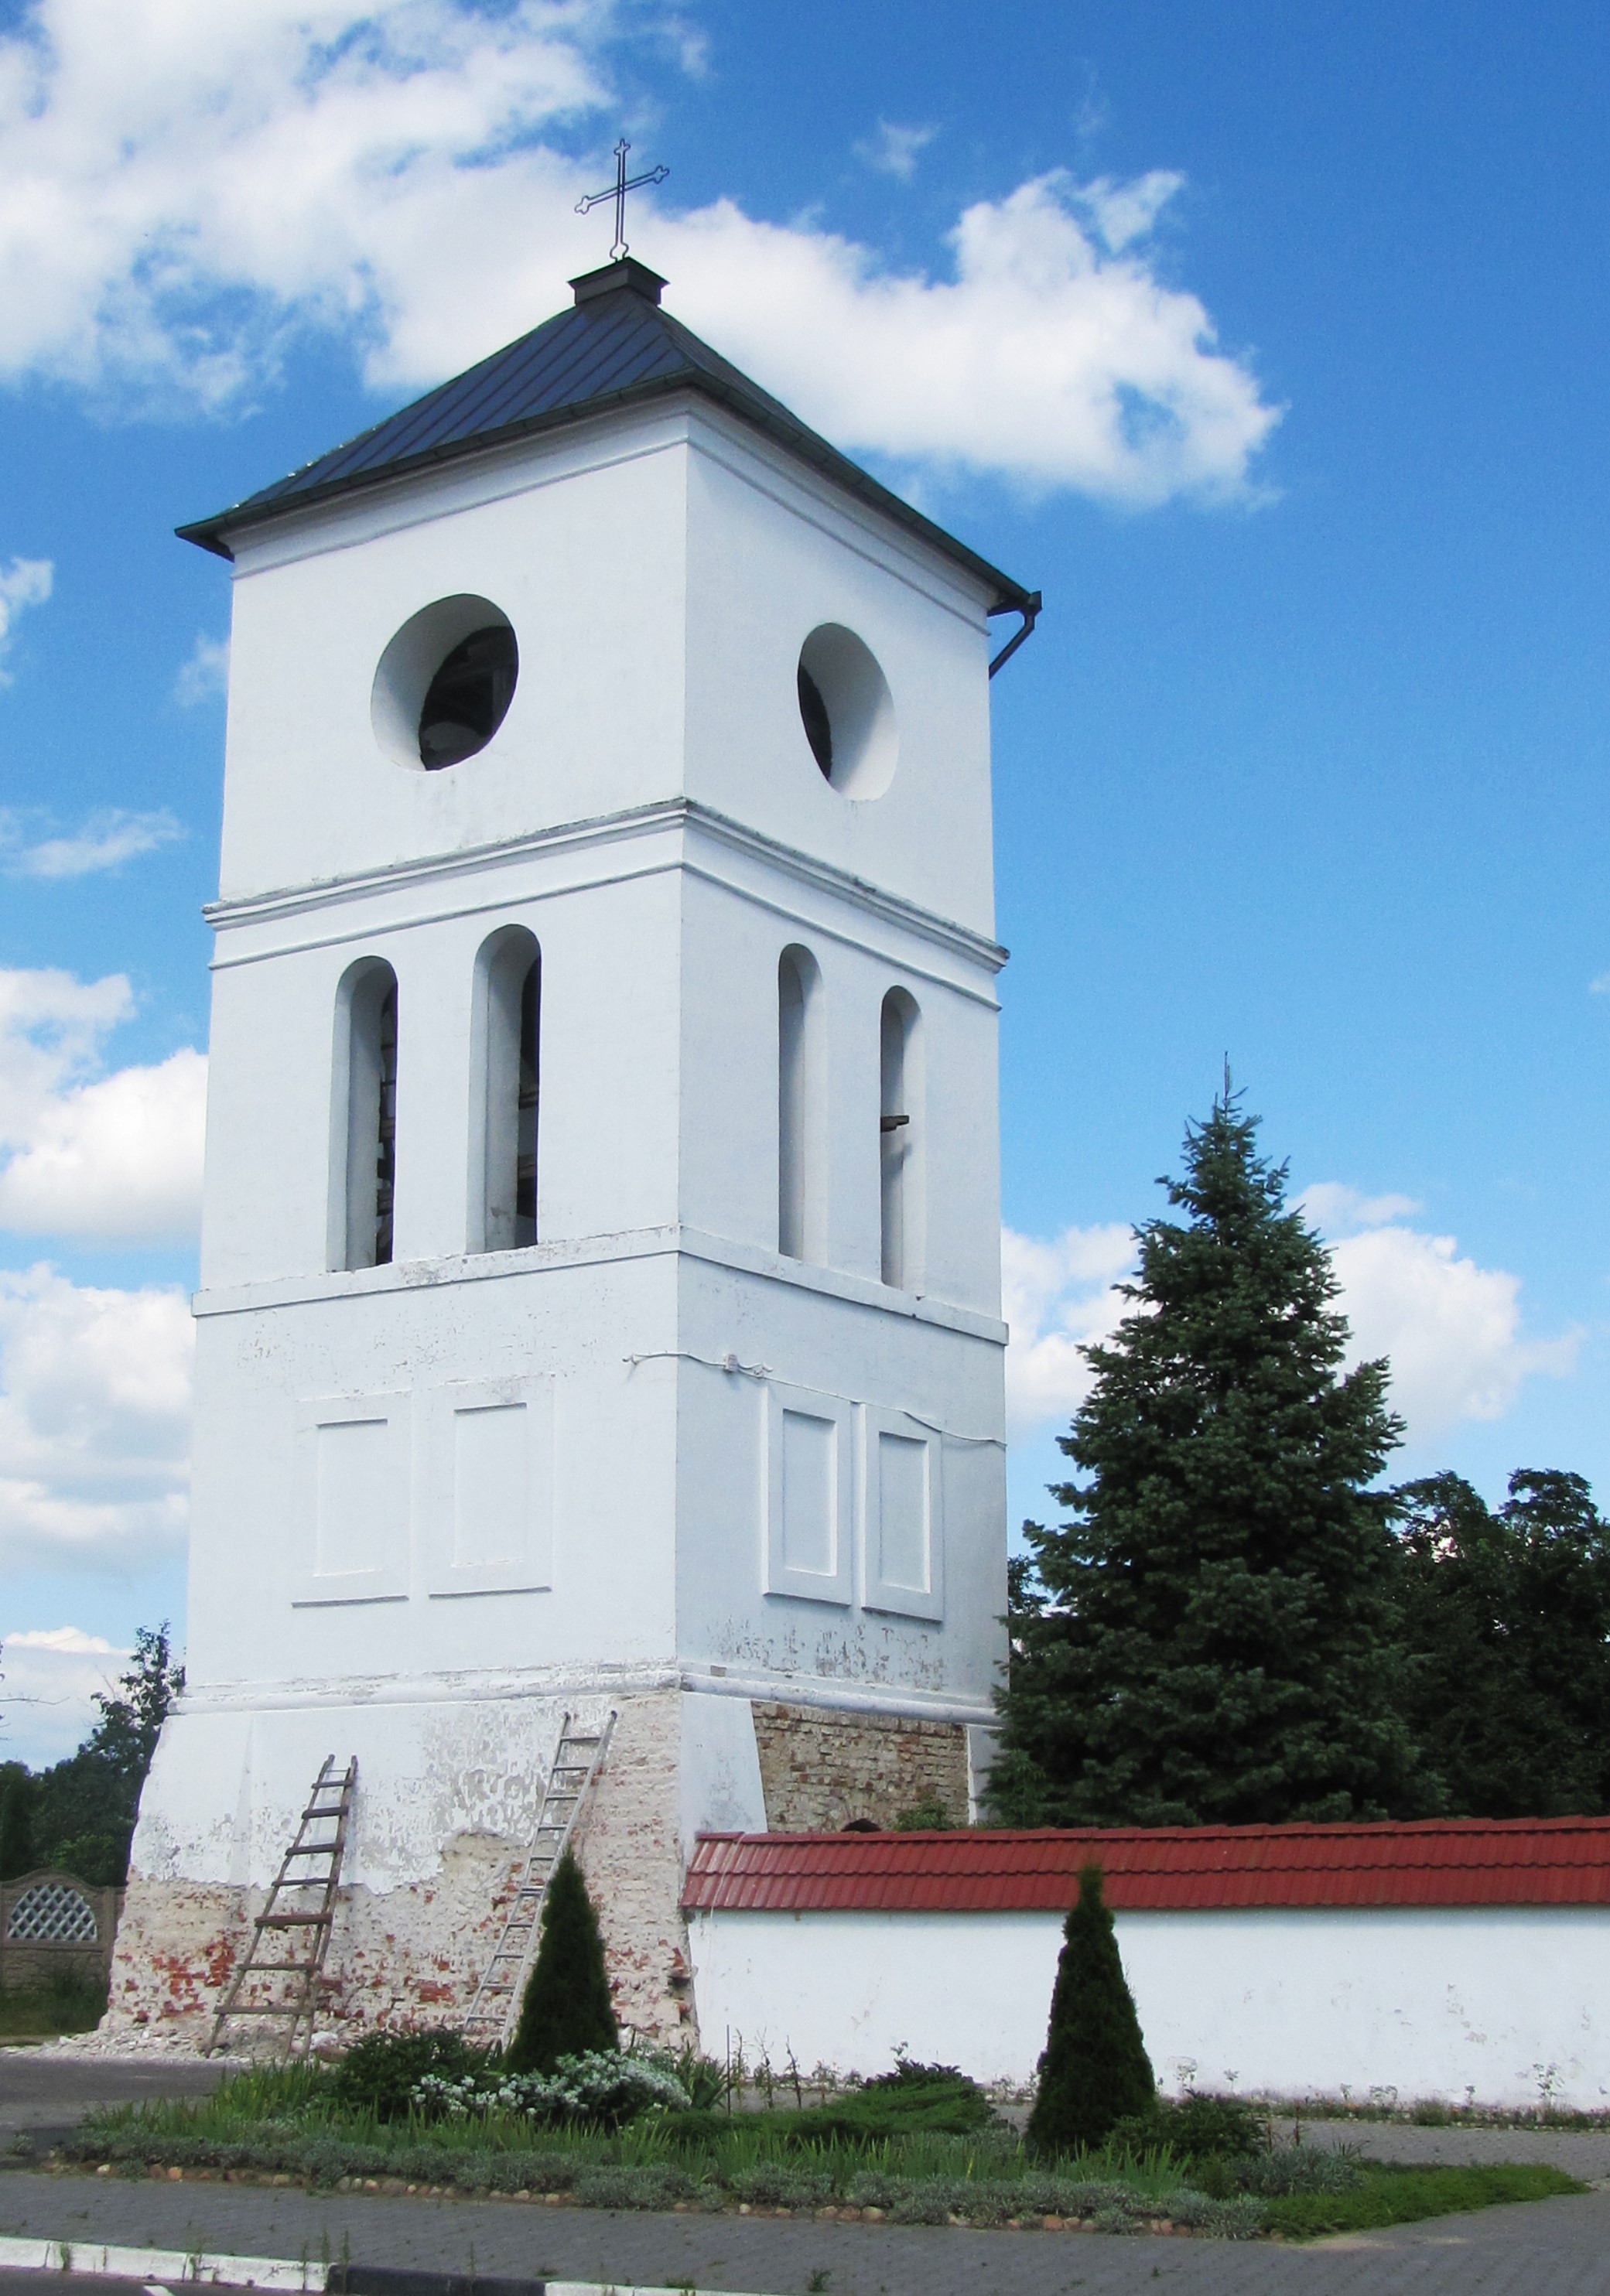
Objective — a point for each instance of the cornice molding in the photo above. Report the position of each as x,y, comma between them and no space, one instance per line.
662,817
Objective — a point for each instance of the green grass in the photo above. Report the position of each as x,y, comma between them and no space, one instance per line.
273,2114
1390,2193
290,2120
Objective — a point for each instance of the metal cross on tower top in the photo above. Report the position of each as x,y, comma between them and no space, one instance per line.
618,192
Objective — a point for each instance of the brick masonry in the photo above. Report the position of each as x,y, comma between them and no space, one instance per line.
411,1956
821,1769
628,1843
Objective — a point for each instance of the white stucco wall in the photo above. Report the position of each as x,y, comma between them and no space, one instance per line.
438,1502
661,570
1490,2003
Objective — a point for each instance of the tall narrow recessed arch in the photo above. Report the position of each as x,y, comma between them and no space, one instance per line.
363,1129
505,1072
802,1108
901,1143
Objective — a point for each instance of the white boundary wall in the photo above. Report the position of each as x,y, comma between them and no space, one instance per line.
1487,2005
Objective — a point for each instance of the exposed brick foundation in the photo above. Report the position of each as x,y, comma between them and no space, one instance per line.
629,1846
820,1769
412,1955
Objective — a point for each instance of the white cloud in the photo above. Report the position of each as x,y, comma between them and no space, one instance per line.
118,1156
49,1679
1058,1294
1124,212
66,1642
893,150
108,838
1332,1207
306,158
1043,360
1451,1330
94,1422
177,199
1599,986
26,581
205,675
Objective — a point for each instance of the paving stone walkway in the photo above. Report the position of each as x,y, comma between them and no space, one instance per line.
1584,2152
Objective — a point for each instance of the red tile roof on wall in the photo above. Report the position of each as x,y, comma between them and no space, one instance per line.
1562,1861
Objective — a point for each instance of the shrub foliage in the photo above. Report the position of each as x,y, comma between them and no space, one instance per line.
1196,2129
380,2073
567,2010
1094,2072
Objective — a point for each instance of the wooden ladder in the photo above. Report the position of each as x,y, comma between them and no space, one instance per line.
577,1760
307,1881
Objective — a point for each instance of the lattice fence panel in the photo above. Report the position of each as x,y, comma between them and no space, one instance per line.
52,1913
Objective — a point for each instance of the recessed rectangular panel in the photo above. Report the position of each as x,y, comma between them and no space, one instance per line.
487,1479
902,1482
491,1486
901,1513
352,1539
355,1503
806,1493
809,1494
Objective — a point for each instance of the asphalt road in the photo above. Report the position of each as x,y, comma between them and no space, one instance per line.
47,2096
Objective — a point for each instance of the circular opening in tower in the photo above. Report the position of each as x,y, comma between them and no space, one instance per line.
847,711
445,683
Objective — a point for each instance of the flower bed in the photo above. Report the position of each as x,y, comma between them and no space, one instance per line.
618,2132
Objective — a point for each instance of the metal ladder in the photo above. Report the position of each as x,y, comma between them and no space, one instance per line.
308,1877
577,1760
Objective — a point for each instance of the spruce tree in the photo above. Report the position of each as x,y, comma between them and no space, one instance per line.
1211,1640
1094,2072
566,2008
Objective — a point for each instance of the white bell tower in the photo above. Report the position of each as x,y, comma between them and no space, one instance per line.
600,1302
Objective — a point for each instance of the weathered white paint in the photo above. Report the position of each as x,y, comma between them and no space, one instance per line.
651,814
720,1770
1496,2004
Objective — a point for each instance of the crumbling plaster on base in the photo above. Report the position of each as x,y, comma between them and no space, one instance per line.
407,1947
177,1948
628,1843
227,1791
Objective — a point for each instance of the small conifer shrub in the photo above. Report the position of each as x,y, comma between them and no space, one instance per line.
1094,2072
567,2010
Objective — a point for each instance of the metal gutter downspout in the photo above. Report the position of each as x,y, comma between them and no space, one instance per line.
1030,610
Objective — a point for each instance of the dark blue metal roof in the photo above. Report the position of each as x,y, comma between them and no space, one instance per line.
615,348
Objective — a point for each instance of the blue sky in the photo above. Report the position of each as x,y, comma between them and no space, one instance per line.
1269,343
